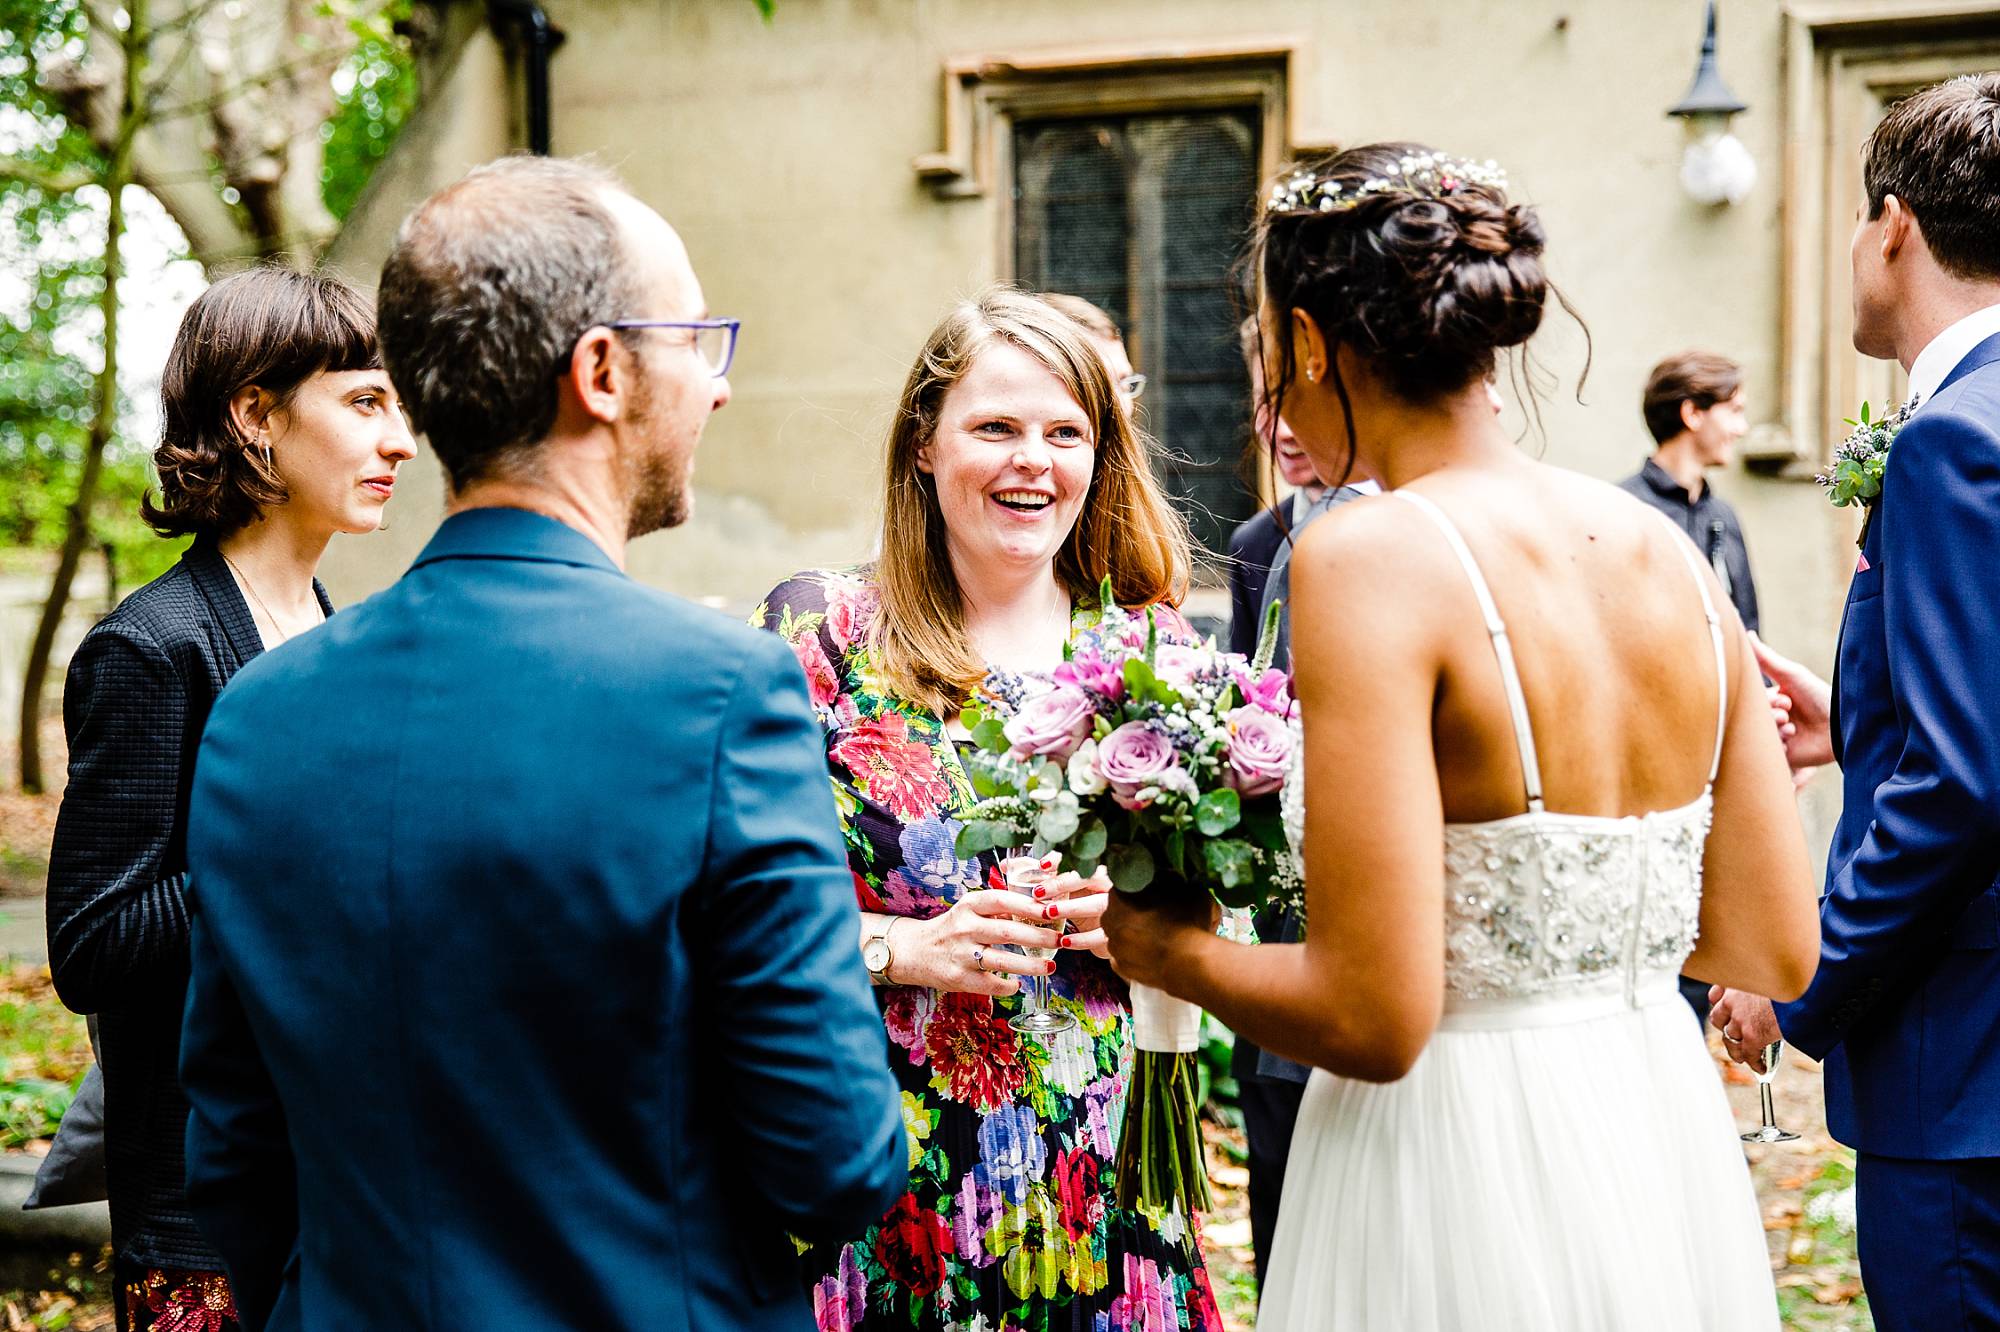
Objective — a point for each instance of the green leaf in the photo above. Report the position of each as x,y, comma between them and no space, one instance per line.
1058,824
983,784
1231,861
971,715
1131,867
1177,851
1864,413
1217,812
1086,848
991,736
1105,601
982,835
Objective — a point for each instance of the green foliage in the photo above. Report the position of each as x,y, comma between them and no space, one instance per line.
1221,1098
374,93
32,1108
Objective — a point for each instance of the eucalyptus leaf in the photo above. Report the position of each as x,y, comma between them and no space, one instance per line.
1058,824
1086,848
1217,812
982,835
1177,851
1131,867
1232,862
991,736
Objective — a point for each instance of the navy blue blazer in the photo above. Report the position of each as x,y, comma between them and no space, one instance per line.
1905,1003
525,991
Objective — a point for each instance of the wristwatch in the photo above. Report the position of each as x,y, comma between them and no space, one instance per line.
877,956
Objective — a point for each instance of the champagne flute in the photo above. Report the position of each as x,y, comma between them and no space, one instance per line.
1026,872
1769,1132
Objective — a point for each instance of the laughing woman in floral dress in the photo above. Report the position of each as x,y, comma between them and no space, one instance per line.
1015,485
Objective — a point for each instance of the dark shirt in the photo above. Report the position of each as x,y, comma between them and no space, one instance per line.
1252,548
1711,524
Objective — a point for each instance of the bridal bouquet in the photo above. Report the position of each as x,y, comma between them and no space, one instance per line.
1162,762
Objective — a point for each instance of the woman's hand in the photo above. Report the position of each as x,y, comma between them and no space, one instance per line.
1080,903
1151,934
965,949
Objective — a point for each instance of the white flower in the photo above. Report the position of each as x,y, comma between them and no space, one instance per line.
1083,774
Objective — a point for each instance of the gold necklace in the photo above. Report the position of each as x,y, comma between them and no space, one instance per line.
251,588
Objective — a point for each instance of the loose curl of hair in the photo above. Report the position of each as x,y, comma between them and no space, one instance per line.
270,327
1426,291
1126,529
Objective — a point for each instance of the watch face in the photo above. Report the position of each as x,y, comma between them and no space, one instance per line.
875,955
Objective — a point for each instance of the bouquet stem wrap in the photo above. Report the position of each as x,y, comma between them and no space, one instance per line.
1160,1161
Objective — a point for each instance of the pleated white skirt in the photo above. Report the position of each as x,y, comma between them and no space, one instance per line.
1547,1166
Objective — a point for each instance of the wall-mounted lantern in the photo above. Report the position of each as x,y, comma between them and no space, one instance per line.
1717,168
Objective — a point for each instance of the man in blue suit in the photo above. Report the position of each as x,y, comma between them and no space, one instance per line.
1905,1009
525,992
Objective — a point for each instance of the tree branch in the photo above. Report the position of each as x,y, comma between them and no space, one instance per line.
43,178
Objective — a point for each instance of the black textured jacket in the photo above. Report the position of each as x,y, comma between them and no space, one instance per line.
139,691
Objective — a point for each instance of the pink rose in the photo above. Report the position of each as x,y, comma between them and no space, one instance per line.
849,609
1260,750
1177,665
1133,757
1089,670
1051,724
1267,691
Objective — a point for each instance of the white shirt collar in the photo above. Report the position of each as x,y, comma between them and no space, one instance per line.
1942,353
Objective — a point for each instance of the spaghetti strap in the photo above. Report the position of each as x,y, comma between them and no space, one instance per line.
1496,629
1687,550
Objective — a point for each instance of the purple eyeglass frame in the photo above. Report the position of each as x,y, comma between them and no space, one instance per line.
735,327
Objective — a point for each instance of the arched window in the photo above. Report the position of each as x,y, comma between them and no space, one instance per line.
1146,216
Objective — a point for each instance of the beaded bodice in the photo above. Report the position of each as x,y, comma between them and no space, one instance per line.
1545,905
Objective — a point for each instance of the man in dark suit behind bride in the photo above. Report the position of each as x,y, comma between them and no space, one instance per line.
524,984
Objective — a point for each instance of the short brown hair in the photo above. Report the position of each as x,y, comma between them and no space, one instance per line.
1702,378
1126,531
1092,319
491,282
271,327
1938,151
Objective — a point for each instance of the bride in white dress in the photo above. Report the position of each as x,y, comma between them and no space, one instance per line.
1539,779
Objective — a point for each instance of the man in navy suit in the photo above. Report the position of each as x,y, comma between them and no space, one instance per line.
1905,1009
524,983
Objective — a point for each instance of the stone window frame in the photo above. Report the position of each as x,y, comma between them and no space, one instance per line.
1844,62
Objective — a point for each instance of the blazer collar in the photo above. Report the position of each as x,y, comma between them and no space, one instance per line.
1984,354
513,534
209,573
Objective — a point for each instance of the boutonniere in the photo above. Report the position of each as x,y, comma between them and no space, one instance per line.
1855,476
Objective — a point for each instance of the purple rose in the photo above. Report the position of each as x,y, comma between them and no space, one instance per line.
1260,750
1051,724
1132,757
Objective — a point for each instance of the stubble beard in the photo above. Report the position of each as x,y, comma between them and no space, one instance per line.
657,474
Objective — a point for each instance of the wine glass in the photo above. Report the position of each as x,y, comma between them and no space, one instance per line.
1769,1132
1026,872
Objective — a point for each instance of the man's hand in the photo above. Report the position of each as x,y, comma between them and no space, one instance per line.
1802,705
1747,1023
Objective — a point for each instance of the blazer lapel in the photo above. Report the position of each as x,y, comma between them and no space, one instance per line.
211,577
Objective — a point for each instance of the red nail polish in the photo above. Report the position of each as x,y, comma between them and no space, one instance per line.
1063,942
1041,892
1052,913
1052,966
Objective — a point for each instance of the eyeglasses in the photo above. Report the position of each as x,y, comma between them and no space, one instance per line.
715,339
1132,385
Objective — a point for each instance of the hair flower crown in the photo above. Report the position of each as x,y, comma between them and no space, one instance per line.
1425,176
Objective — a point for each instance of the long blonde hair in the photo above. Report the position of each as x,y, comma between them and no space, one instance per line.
1126,530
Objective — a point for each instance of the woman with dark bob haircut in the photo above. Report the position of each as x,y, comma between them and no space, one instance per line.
281,429
1539,781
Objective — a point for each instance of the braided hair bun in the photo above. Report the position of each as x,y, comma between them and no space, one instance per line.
1425,271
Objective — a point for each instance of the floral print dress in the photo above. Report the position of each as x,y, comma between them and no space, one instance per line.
1010,1223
